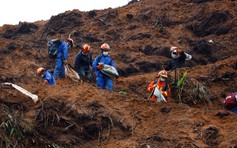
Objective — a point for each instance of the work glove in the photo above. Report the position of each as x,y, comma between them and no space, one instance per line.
164,93
100,66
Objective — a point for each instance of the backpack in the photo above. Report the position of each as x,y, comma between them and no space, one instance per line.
230,101
53,48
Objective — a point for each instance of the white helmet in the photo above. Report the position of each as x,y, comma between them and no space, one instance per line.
173,48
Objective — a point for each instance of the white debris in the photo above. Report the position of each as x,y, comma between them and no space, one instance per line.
34,97
210,41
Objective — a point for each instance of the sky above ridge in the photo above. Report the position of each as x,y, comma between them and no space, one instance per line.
14,11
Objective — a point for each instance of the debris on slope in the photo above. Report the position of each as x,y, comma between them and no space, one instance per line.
57,122
140,35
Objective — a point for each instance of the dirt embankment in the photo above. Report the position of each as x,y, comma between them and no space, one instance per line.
140,34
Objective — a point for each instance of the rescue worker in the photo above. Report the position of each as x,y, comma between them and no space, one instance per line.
46,75
178,58
102,80
62,57
230,102
161,86
83,62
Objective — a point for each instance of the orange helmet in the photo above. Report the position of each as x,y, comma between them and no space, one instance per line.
40,71
70,41
105,47
86,49
163,73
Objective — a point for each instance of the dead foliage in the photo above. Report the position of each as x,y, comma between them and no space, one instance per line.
78,123
56,123
15,129
190,91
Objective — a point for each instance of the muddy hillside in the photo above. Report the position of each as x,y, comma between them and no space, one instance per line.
72,114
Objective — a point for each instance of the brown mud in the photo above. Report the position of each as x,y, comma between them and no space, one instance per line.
140,34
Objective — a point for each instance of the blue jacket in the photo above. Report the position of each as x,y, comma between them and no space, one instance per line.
63,51
49,76
234,110
106,60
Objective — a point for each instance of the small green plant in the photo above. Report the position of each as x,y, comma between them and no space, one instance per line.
180,82
12,130
189,90
200,93
54,145
16,130
199,90
122,92
179,86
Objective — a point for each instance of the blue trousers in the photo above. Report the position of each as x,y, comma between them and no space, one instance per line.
59,71
104,82
234,110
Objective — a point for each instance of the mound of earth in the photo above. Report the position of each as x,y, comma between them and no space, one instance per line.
78,114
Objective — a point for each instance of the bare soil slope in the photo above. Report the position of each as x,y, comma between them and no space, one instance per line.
140,34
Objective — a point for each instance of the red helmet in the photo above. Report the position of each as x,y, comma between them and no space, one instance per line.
40,71
163,73
86,49
105,47
70,41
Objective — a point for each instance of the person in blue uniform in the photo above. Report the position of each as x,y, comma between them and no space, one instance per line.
46,75
102,80
62,57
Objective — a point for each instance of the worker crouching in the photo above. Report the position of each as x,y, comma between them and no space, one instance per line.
46,75
160,89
